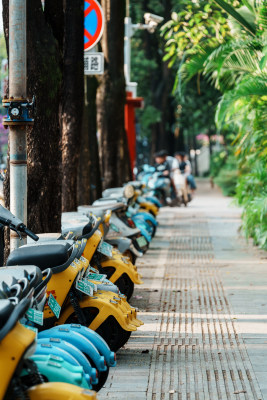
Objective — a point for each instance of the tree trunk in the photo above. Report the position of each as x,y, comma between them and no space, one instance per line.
111,99
89,178
44,58
72,101
43,141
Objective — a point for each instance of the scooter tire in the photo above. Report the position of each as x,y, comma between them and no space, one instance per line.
102,376
108,330
125,285
119,336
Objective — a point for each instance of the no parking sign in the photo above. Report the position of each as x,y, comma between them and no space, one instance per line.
93,23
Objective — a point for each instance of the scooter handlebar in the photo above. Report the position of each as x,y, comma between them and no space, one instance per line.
30,233
16,225
7,218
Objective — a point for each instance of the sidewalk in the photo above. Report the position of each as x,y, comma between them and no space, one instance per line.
204,304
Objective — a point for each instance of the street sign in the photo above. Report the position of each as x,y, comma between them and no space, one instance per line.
93,63
93,23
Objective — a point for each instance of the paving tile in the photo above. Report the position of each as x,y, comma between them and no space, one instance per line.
206,325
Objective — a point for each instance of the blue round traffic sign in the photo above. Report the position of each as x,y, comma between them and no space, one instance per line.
93,23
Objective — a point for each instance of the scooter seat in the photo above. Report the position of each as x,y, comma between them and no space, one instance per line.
43,255
32,273
103,204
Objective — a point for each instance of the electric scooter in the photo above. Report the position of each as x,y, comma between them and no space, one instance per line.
110,317
118,268
17,344
20,282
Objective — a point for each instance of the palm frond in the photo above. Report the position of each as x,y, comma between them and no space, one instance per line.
262,15
238,17
249,5
217,58
242,61
195,62
249,86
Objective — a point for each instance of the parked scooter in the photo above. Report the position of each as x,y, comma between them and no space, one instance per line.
20,282
100,312
138,185
17,344
118,269
157,184
120,227
140,209
126,195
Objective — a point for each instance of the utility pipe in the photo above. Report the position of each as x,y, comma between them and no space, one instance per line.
17,133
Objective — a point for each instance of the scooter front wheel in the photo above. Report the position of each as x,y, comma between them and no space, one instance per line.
110,330
102,376
118,339
124,283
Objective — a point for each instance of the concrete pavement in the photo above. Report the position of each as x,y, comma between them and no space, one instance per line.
204,304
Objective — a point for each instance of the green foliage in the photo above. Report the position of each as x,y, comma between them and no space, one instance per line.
218,160
3,53
147,65
227,177
237,66
237,16
255,219
197,109
193,32
196,23
148,117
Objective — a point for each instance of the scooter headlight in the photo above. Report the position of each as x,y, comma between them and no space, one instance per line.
128,191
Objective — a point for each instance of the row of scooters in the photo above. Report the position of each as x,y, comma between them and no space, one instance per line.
64,308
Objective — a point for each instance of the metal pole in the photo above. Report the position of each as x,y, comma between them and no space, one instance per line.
17,89
127,8
127,48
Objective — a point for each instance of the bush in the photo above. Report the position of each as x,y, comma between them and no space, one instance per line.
252,196
255,220
227,181
227,177
217,161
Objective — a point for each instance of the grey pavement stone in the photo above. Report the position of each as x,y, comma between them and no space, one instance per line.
206,325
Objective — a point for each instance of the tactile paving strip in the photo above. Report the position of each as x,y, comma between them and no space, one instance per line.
197,353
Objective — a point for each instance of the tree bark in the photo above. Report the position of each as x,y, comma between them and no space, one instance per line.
111,99
89,178
72,101
44,57
43,141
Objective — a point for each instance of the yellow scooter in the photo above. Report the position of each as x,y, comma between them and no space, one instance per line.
17,343
118,268
66,303
108,260
145,205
